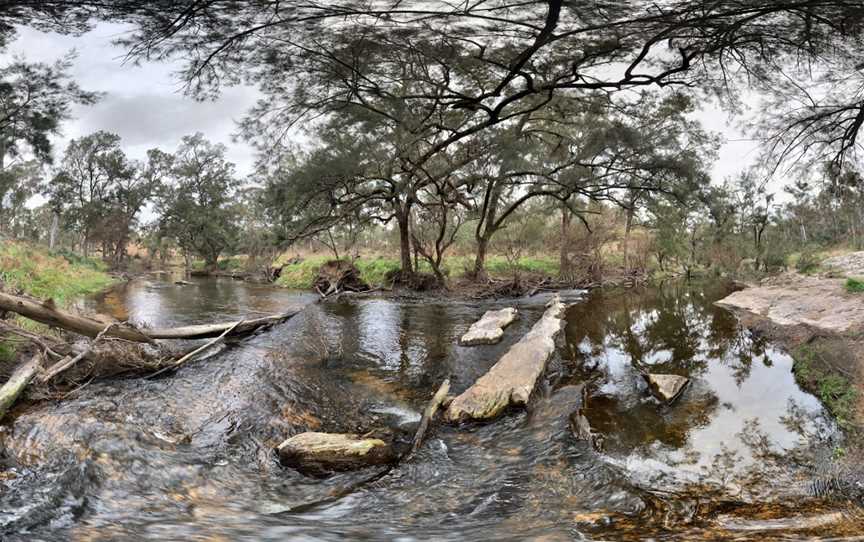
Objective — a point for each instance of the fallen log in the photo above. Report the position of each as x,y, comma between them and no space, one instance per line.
197,351
321,453
17,383
47,313
512,380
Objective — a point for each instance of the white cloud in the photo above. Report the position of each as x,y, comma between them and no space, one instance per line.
143,104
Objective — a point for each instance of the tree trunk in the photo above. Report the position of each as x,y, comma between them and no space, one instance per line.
563,256
628,226
46,313
52,234
480,258
403,221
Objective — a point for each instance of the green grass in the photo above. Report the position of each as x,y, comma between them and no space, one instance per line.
837,393
374,270
855,286
50,276
58,276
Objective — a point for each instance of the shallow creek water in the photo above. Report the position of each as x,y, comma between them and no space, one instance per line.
190,456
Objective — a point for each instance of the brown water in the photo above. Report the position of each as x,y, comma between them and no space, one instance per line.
190,456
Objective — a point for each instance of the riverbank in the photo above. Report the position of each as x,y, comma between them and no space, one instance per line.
36,272
819,320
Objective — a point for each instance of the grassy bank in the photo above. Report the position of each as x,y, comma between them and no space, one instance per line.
38,273
823,367
374,270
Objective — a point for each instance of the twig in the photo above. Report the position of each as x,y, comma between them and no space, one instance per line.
68,362
35,339
198,350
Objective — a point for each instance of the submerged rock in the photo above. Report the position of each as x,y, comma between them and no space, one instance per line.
665,387
490,328
512,380
319,453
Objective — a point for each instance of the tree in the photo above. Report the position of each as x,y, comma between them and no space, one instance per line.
497,60
82,188
35,98
196,206
128,196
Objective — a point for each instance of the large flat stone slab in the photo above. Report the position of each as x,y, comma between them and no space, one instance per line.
512,380
317,453
490,328
792,299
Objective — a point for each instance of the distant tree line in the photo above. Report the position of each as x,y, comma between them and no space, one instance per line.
426,118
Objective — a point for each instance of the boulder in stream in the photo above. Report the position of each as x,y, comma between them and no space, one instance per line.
512,380
490,328
666,388
319,453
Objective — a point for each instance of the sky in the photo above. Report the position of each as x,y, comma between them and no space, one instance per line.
146,106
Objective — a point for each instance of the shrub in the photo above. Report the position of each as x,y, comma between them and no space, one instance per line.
808,262
855,286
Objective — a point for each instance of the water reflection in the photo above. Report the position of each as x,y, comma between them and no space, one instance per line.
191,456
742,408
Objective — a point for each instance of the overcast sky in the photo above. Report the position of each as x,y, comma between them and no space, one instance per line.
145,104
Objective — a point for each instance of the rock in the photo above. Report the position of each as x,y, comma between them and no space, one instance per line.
320,453
848,264
666,388
182,282
512,380
490,328
791,299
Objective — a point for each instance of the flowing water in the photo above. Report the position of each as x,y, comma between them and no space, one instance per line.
190,456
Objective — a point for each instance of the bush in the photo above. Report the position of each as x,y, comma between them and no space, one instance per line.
808,262
855,286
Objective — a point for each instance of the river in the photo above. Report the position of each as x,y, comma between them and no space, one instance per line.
190,456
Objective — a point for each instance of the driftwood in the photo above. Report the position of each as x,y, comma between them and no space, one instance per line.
47,313
428,415
198,350
69,361
17,383
429,412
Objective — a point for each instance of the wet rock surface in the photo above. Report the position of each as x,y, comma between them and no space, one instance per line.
316,452
512,380
666,388
490,328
